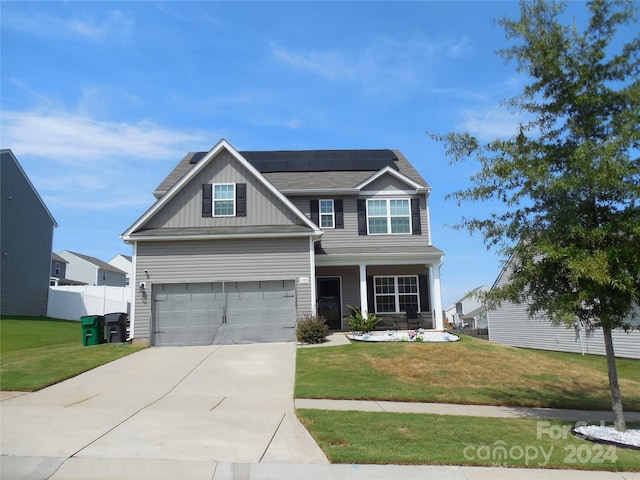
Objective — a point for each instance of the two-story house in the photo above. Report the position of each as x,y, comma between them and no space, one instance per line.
26,236
239,245
88,270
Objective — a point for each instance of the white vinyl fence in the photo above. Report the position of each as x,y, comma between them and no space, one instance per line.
74,302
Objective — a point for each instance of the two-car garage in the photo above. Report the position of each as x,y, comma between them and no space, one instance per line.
223,312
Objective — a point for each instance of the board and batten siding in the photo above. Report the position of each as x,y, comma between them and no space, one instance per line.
511,325
185,209
348,236
219,261
26,238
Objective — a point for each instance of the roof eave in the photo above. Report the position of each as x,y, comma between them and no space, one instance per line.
212,236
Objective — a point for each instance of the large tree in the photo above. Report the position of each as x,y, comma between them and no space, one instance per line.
568,183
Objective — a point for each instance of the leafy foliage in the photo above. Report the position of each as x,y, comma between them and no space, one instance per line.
312,329
569,181
359,322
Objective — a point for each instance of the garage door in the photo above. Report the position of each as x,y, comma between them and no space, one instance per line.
223,313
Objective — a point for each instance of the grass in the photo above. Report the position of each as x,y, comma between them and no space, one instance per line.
471,371
38,352
399,438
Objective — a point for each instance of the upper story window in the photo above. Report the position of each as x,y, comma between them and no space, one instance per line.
57,268
386,216
224,200
327,214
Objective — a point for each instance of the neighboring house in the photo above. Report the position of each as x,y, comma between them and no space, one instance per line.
92,271
239,245
124,263
26,235
58,269
468,311
511,325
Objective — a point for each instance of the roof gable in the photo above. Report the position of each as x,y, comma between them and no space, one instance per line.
7,156
94,261
404,180
191,174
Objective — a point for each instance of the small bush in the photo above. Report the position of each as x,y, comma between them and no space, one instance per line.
359,323
312,329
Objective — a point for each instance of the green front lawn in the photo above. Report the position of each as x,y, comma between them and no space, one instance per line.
471,371
402,438
36,353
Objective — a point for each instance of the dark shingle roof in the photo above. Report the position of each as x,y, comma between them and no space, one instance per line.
309,169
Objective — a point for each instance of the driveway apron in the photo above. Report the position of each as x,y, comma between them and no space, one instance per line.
231,403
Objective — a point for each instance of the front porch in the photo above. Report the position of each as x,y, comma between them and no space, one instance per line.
402,296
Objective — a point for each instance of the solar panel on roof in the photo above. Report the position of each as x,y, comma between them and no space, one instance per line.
316,160
321,160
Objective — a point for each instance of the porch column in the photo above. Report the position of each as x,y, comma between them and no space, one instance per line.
363,290
312,278
436,297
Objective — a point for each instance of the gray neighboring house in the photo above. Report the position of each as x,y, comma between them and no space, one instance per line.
26,236
511,325
124,263
239,245
58,269
92,271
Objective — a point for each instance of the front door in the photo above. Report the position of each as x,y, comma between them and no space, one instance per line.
329,301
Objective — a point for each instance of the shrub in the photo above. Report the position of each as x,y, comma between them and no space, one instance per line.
359,323
312,329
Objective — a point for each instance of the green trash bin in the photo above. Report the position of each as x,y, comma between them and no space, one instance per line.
92,330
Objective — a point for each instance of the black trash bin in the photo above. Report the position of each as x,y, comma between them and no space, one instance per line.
116,327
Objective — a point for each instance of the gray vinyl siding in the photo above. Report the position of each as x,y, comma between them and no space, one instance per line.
26,237
386,183
348,236
185,209
511,325
220,260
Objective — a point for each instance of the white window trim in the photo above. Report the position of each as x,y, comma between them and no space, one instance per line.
396,292
332,214
389,232
213,199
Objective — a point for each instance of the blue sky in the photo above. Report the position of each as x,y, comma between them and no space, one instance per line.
101,99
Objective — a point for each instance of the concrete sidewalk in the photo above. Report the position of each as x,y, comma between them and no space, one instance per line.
144,469
591,416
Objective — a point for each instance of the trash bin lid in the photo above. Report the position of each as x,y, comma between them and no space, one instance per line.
90,320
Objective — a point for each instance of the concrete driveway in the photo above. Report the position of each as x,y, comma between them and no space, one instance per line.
158,410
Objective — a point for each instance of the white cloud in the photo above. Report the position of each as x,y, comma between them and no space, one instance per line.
77,162
385,63
114,24
76,138
491,124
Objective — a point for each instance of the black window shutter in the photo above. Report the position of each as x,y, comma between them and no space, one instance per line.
241,199
315,211
423,286
207,199
371,297
337,206
415,216
362,217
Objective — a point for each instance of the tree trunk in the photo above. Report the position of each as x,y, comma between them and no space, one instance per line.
616,398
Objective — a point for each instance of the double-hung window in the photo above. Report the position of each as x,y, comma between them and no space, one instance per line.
394,294
327,214
387,215
224,200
